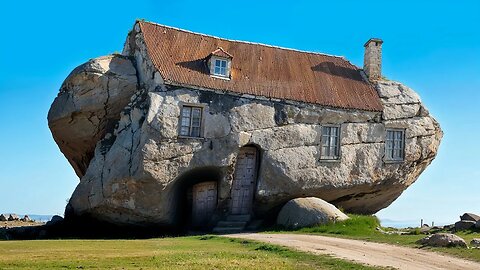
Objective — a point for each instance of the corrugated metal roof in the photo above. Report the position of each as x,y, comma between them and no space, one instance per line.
259,70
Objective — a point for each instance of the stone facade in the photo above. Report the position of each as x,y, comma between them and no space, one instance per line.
142,172
372,64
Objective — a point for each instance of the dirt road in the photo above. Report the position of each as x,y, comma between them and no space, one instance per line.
364,252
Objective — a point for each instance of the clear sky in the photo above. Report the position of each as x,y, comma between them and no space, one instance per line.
431,46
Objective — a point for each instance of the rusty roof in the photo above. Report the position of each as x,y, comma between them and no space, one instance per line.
257,69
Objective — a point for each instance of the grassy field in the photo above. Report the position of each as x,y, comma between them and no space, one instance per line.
199,252
364,228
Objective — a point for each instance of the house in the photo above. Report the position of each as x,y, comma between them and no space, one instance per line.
186,129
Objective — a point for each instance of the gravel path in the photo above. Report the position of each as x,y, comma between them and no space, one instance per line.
364,252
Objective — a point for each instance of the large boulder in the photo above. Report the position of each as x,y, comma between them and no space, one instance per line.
442,240
464,225
121,137
3,217
142,169
88,106
307,212
470,217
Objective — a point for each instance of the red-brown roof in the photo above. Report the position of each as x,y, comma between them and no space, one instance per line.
222,53
258,69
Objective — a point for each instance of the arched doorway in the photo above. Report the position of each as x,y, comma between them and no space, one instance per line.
244,181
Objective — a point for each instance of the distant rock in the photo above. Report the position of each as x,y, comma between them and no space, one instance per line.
13,217
55,220
464,225
475,242
306,212
470,217
442,240
26,218
3,217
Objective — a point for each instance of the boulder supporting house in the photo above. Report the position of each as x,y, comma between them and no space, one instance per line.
215,129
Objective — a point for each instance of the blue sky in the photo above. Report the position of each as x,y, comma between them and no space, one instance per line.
435,49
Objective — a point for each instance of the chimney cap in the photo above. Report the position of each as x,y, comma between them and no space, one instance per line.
377,40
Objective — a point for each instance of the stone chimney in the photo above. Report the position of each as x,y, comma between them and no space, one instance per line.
372,62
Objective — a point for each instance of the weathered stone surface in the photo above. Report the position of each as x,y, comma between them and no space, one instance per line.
307,212
477,225
88,106
26,218
3,217
54,220
475,242
442,240
470,217
464,225
139,170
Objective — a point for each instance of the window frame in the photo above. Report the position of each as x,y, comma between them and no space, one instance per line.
213,67
191,119
337,156
393,158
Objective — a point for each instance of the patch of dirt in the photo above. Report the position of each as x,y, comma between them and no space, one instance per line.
370,253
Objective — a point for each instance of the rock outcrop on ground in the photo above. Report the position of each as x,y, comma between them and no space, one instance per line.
121,137
307,212
442,240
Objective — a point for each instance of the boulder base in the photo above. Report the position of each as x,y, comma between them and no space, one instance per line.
306,212
442,240
464,225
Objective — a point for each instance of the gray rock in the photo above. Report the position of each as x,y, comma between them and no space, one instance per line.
88,106
442,240
307,212
464,225
26,218
54,220
470,217
135,169
475,242
477,224
3,217
13,217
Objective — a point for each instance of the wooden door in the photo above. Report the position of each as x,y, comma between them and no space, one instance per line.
204,197
243,185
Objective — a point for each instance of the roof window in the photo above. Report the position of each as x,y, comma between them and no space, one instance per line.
220,63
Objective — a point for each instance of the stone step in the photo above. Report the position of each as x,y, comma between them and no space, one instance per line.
227,229
245,218
232,224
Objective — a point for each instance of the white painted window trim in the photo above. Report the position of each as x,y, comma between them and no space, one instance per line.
213,61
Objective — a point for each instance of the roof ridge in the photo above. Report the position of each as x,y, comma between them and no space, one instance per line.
242,41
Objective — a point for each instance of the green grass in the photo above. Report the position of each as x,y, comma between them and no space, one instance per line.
364,228
200,252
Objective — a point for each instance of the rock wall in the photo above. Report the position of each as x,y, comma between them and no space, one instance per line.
140,174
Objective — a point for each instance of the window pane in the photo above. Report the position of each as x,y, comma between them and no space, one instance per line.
186,111
185,121
217,70
195,132
224,64
184,131
217,62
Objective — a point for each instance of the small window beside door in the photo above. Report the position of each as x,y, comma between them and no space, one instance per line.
395,145
330,143
191,121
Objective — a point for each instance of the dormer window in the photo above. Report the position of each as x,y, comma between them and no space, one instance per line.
220,63
220,67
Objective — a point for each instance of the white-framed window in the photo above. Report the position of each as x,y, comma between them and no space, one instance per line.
395,145
220,67
191,121
330,143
